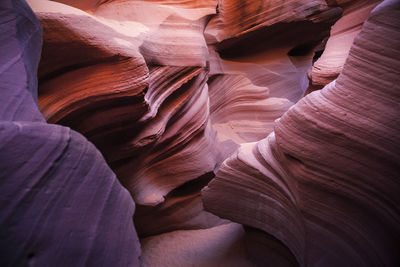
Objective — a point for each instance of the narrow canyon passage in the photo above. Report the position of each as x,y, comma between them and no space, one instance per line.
200,133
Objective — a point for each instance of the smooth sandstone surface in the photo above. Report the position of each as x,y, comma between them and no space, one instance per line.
217,246
330,64
136,86
172,96
328,174
61,205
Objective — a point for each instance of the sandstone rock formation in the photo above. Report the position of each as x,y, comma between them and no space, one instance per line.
330,64
217,246
146,118
180,94
325,182
260,53
61,205
142,87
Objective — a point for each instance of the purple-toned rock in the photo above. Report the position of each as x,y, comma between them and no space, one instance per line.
330,64
176,92
20,46
325,183
61,205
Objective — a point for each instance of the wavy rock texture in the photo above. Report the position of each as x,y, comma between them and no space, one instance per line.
141,80
259,56
325,182
135,85
245,27
95,5
240,17
175,29
61,205
330,64
168,90
241,111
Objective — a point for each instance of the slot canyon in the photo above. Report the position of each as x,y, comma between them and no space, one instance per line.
200,133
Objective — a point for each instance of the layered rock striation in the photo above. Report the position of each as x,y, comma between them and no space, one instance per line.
330,64
325,182
179,94
61,205
137,89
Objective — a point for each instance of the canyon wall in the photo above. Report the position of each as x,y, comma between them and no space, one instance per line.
325,182
61,204
225,133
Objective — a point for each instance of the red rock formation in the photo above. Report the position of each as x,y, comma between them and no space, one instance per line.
330,64
135,85
240,111
247,27
266,51
61,205
325,183
168,90
147,114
